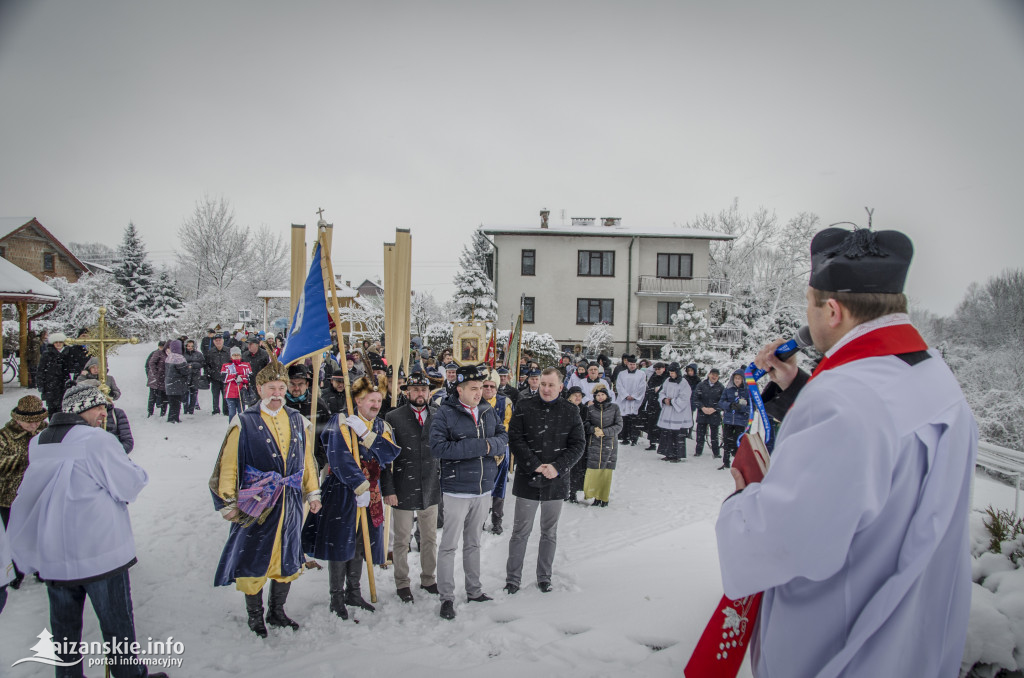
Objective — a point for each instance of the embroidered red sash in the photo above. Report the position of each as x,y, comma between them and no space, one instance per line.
720,650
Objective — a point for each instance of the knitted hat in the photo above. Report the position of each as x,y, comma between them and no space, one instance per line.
29,409
574,389
235,351
80,398
58,338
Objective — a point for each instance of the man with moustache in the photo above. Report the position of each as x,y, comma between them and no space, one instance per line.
412,485
262,480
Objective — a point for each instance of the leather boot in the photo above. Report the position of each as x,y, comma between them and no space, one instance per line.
276,615
336,576
254,608
353,574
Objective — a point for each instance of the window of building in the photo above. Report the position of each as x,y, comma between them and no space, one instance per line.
3,252
528,309
596,262
666,309
48,261
489,265
675,265
529,264
593,311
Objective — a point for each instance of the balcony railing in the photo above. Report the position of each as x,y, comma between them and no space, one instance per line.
678,287
724,337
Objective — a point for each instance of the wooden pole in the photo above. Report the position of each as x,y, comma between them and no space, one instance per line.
298,278
350,437
23,336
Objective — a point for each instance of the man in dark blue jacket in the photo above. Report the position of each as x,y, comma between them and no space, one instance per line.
468,436
709,416
735,412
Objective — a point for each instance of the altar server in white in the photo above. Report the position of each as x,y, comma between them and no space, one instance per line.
858,534
630,389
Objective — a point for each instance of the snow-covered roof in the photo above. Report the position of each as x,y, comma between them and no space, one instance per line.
93,267
17,284
9,225
619,230
273,294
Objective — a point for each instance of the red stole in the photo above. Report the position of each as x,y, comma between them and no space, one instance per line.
719,652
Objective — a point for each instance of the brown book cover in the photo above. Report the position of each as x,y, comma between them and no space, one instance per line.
751,458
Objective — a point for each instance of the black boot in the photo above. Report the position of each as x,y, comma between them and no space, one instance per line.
254,608
353,595
276,615
336,576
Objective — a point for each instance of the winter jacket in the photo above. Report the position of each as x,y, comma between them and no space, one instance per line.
52,374
468,465
676,414
176,375
334,400
258,361
545,432
651,409
13,459
78,356
734,412
708,395
155,369
510,392
117,424
602,452
115,392
692,381
195,361
215,360
304,406
235,376
415,476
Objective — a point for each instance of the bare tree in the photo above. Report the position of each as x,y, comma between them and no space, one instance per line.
213,250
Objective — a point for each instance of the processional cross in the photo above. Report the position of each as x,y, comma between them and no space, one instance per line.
99,347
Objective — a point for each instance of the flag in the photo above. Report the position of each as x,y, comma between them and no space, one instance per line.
492,349
310,331
512,354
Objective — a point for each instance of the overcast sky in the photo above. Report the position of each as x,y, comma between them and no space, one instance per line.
440,116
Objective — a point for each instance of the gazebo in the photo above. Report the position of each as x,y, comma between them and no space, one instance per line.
21,288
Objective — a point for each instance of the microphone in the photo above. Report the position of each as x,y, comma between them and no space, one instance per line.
785,351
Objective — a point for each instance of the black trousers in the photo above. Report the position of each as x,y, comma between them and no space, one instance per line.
630,428
174,408
730,432
672,444
157,398
702,430
220,401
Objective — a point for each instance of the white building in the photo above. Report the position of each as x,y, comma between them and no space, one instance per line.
592,271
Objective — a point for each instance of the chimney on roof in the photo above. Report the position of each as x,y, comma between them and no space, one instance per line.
611,222
544,214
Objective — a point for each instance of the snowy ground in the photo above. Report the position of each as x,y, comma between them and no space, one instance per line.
634,583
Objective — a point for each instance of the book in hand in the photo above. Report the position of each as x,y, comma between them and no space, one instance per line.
751,458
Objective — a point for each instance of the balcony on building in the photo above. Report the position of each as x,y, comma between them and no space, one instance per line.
653,286
652,334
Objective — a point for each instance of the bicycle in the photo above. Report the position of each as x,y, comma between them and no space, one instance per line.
10,368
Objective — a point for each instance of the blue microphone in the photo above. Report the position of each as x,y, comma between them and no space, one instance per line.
801,341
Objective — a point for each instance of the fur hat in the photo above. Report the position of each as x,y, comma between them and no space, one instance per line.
29,409
82,397
58,338
274,371
364,385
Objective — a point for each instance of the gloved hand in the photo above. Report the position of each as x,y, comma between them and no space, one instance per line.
357,425
363,500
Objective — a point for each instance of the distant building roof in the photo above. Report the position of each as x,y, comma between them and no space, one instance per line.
617,230
97,268
9,226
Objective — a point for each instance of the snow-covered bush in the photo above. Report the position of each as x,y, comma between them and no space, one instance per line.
599,340
438,337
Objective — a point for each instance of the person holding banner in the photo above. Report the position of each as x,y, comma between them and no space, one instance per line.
858,533
262,478
331,535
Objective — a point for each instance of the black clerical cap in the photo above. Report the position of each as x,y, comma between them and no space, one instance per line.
860,261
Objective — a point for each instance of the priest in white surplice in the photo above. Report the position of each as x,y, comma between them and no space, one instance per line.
630,389
858,534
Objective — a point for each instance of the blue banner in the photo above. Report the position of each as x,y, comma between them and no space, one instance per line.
310,331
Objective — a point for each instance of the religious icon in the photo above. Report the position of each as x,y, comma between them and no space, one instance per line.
470,351
469,337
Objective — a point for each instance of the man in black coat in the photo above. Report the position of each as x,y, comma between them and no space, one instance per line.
546,438
78,354
300,399
216,357
505,388
258,358
52,373
333,392
705,399
412,485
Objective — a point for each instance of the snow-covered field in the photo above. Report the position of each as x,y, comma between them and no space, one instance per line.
634,582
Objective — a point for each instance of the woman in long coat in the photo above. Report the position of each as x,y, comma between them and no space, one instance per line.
604,423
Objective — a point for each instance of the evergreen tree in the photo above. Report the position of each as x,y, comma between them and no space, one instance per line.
133,271
474,290
166,298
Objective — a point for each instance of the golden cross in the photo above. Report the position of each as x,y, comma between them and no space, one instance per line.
101,345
